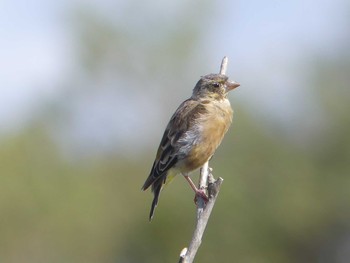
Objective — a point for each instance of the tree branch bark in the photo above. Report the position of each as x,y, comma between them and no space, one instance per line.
206,181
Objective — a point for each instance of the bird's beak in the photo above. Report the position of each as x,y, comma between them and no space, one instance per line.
230,85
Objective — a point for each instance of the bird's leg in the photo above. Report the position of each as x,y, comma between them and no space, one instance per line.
199,192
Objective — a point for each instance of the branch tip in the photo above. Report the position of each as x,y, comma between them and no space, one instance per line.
223,67
183,252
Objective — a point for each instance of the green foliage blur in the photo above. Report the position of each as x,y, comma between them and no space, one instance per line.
284,198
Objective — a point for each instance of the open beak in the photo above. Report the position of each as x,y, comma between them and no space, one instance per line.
230,85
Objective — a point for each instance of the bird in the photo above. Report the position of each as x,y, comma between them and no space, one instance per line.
192,135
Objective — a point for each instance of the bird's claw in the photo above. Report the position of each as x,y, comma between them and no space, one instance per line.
201,193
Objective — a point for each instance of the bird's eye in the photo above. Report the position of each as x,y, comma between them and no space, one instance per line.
216,85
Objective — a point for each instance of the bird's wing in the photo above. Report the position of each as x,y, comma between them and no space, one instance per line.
167,154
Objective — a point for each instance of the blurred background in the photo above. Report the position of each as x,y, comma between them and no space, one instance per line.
87,88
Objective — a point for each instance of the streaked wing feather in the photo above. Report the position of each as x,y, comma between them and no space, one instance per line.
168,148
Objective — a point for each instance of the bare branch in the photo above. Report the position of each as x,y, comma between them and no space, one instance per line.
203,182
202,220
206,181
223,67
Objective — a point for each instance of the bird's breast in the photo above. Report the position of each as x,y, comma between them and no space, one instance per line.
210,128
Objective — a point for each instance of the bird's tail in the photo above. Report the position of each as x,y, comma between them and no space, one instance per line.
157,183
156,188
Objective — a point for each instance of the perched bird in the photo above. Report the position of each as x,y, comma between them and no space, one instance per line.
193,133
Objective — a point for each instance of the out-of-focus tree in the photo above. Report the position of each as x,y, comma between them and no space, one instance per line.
283,200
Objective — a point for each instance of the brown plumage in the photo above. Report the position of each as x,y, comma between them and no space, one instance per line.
194,132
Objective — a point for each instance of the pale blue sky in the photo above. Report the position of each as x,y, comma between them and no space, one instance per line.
269,44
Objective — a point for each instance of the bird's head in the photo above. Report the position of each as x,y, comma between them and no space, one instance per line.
213,86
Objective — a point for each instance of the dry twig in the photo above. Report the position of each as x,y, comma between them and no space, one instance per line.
206,180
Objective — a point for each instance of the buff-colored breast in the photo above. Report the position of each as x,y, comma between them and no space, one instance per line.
211,127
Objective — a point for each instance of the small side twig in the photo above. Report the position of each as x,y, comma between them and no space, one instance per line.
206,180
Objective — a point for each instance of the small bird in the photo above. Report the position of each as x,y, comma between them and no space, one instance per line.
192,135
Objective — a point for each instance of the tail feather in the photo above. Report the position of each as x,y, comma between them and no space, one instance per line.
157,183
156,188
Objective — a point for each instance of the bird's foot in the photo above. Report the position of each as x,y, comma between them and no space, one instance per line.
201,193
